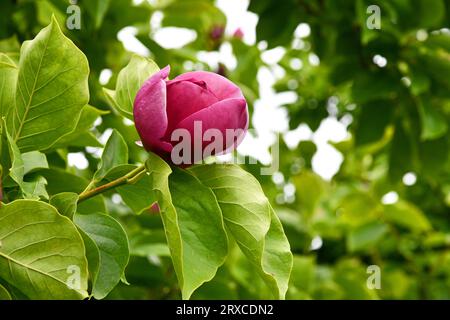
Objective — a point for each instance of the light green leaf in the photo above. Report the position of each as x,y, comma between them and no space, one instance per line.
434,124
65,203
310,189
193,224
4,294
365,236
8,79
35,188
251,221
112,243
97,9
129,81
41,252
60,181
200,15
139,196
114,154
52,88
34,160
81,137
408,216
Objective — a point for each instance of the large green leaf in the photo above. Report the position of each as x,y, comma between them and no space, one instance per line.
129,81
35,188
434,124
8,78
52,88
251,221
65,203
112,244
60,181
138,196
4,294
193,224
408,216
81,137
114,154
40,251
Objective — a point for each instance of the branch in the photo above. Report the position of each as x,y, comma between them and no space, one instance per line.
129,178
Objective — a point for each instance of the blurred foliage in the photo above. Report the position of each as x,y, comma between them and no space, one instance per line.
400,117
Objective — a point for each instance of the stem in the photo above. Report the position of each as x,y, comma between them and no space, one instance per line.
129,178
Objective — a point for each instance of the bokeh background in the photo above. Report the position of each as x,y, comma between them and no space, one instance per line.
361,117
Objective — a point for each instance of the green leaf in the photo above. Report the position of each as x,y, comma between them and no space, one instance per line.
309,190
97,9
194,14
52,88
4,294
408,216
251,221
112,243
434,124
65,203
60,181
193,224
34,160
8,79
365,236
34,188
139,196
81,137
129,81
39,248
114,154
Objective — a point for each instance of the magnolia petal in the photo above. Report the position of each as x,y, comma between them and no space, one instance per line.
223,115
221,86
150,112
185,98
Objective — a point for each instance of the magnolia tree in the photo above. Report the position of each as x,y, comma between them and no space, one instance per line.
57,239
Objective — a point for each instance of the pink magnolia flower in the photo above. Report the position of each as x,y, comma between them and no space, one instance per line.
194,98
238,34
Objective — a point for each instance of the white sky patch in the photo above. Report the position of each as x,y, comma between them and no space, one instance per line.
97,122
313,59
77,160
105,76
128,38
239,17
274,55
409,179
294,137
390,198
379,60
302,31
105,136
127,122
116,198
278,178
316,243
174,37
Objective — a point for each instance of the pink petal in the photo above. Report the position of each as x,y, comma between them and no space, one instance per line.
225,114
150,112
221,86
185,98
